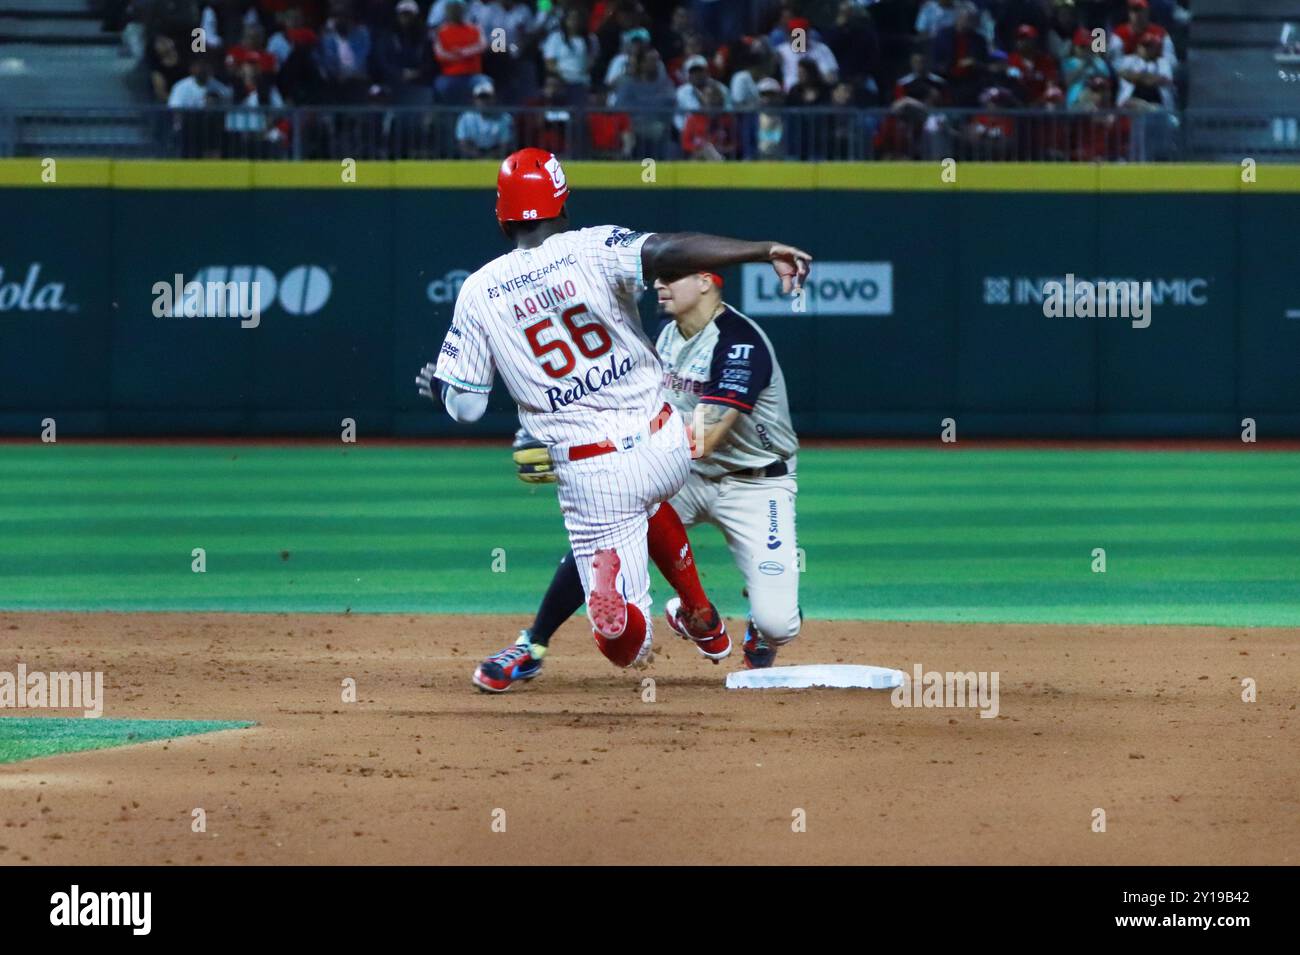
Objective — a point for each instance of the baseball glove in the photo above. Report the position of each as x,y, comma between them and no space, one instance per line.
532,459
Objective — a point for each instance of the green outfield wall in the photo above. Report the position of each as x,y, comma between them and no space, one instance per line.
926,302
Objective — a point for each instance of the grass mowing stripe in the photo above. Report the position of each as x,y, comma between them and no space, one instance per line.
899,533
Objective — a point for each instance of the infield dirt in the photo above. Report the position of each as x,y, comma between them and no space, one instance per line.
1145,723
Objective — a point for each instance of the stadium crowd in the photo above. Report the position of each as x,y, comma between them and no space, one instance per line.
706,79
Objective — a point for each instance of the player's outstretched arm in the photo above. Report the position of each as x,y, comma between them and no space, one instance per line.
709,426
678,253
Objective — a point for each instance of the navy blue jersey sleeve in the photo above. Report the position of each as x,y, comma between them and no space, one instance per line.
742,365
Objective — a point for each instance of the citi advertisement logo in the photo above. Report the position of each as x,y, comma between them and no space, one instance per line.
29,293
303,290
443,291
833,288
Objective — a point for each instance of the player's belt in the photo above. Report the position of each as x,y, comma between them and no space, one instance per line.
775,469
580,452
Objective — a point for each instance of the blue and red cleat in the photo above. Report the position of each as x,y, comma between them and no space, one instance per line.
521,661
759,654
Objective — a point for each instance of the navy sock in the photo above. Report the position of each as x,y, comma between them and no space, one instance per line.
563,598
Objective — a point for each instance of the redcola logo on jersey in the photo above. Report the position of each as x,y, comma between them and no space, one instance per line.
591,382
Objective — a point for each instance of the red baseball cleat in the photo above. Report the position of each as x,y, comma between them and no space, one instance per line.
712,641
605,605
615,624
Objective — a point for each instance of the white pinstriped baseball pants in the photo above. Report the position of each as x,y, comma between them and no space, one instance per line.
607,500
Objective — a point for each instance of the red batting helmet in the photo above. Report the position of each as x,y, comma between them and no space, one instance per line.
530,185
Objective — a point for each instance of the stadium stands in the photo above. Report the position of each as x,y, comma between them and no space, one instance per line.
714,80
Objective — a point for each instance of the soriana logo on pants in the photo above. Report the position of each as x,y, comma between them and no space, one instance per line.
832,288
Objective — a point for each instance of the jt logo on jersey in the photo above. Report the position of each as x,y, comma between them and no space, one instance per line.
740,352
592,381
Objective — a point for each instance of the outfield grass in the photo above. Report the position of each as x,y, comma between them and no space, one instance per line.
1209,537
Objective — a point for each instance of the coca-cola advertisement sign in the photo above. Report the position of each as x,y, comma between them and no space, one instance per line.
27,290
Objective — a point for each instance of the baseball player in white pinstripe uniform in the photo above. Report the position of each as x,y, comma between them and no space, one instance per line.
721,372
557,317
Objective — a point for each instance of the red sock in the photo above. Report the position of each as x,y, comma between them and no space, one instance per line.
622,651
671,552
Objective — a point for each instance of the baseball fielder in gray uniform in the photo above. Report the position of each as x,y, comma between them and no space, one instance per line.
721,374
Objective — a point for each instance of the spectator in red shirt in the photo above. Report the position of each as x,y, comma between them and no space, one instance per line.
961,56
992,133
904,132
1124,41
1050,137
710,135
1033,69
1104,135
459,49
610,134
1146,79
251,49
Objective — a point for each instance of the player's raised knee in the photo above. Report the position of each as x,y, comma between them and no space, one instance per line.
777,626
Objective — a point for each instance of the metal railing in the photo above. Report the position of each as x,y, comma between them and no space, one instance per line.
787,134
